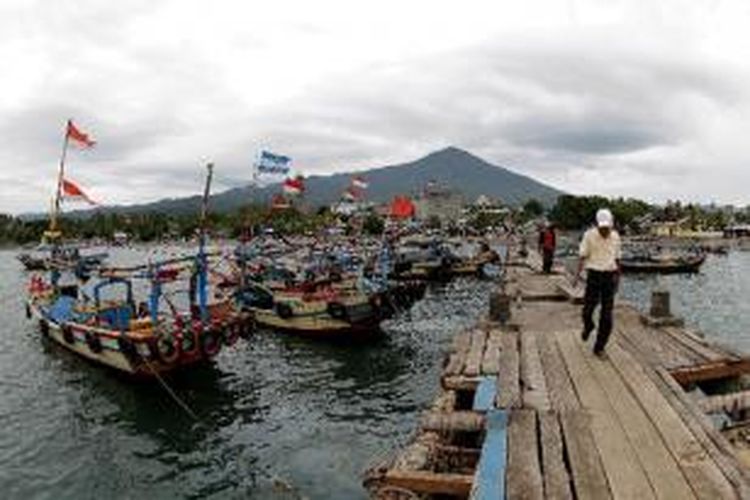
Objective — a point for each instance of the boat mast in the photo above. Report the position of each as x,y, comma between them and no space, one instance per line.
58,192
202,260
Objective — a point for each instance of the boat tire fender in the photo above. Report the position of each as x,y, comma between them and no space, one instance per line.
210,343
128,349
284,310
94,343
67,334
166,349
28,311
337,311
231,333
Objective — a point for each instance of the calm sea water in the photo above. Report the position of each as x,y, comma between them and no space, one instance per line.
715,301
279,417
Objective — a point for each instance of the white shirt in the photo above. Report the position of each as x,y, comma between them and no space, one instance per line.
600,254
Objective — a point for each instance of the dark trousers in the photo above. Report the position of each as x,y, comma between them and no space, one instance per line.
600,289
548,255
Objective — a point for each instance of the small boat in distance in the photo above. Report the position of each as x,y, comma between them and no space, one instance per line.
666,264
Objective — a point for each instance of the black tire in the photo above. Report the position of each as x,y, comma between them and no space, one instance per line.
28,311
165,349
210,343
336,310
128,349
188,343
67,334
94,343
44,327
231,333
284,310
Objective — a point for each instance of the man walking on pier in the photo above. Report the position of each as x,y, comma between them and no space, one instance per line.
547,245
600,255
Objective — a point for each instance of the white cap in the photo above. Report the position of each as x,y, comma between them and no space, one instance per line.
604,218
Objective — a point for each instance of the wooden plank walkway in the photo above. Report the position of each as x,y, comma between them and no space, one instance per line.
533,414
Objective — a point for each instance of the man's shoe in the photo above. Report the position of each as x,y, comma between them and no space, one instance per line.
585,334
599,353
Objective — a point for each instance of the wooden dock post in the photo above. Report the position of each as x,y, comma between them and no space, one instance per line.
500,307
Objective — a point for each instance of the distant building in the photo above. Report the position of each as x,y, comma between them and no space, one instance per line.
485,204
440,202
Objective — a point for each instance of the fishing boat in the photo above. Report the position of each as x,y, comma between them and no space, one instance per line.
663,265
100,319
332,293
45,257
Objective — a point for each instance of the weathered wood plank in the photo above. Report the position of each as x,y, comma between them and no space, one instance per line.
484,397
524,475
489,480
700,470
429,482
491,358
691,342
711,371
532,376
460,383
457,358
716,445
463,421
561,394
509,395
664,475
573,293
555,475
624,473
476,351
589,480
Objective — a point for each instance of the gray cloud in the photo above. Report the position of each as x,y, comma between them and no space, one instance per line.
571,109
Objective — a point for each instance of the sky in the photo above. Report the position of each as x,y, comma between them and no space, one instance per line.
622,98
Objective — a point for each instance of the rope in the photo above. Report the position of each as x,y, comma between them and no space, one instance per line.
169,390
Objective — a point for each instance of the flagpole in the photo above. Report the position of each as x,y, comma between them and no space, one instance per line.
60,174
202,260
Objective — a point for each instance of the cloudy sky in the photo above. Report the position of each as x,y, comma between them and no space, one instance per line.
647,99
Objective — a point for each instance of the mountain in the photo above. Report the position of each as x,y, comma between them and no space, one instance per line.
452,167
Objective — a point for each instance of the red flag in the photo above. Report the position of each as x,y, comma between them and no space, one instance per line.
79,138
294,186
71,191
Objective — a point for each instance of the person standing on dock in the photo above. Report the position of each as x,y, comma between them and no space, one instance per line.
600,255
547,244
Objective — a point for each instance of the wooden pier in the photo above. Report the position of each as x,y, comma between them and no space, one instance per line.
526,411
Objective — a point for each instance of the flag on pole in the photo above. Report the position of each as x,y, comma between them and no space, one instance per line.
359,182
271,163
79,138
294,187
71,191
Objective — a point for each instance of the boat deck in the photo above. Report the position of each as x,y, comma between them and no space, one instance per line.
527,411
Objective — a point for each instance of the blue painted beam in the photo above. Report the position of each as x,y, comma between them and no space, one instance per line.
489,483
484,397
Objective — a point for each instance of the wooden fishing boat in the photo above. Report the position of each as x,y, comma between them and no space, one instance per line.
108,326
112,333
666,265
327,314
45,258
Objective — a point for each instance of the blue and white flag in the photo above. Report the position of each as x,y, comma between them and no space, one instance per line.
270,163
